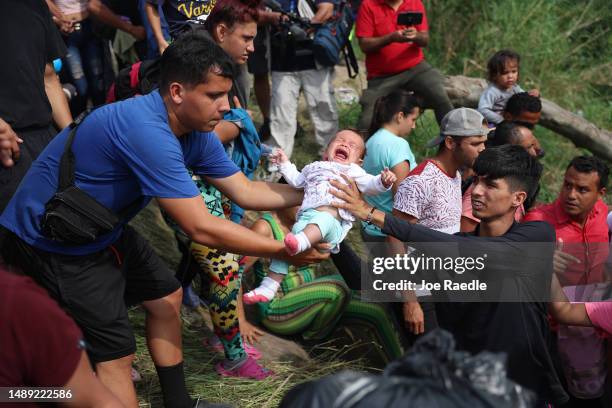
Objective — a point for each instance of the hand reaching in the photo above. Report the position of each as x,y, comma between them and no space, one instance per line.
278,156
387,177
534,92
561,259
413,317
250,333
9,145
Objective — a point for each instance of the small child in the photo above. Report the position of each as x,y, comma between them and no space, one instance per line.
317,220
503,75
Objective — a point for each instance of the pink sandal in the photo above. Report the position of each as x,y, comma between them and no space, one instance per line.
249,369
218,347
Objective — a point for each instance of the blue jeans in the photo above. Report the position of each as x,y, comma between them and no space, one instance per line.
85,64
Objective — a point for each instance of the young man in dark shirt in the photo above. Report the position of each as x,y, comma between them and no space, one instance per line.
504,175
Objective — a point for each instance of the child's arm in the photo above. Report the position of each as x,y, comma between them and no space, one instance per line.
372,185
485,106
562,310
290,173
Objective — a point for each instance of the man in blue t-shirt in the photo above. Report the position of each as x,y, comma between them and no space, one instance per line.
126,154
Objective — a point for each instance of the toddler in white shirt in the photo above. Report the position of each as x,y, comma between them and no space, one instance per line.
317,220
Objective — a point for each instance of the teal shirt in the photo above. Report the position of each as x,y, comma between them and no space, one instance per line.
384,149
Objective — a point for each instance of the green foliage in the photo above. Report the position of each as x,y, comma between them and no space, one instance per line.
566,52
565,46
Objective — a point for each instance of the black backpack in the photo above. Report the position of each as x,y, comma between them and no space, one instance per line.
138,79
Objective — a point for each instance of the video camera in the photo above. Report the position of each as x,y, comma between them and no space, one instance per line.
294,25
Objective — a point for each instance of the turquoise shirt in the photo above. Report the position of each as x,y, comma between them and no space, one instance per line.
384,149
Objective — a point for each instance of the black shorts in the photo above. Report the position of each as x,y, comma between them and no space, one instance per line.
34,142
258,60
96,289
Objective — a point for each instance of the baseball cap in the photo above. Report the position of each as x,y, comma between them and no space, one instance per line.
461,122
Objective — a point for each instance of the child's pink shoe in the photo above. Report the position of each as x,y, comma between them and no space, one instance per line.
218,347
249,369
291,244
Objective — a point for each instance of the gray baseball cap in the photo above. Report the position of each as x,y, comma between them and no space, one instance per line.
461,122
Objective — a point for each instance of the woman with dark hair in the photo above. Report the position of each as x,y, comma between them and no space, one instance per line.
394,118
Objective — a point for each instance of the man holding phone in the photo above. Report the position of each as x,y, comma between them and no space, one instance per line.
392,34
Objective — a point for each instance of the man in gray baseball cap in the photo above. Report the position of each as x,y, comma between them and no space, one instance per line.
431,194
461,122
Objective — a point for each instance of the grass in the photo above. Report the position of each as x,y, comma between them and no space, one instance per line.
203,381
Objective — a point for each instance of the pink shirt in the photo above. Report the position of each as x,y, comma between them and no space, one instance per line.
600,314
588,243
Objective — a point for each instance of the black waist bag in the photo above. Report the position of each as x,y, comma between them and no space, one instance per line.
72,216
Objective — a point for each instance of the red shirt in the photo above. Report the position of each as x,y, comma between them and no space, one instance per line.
376,19
40,346
589,244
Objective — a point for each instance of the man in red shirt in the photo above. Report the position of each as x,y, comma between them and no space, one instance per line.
579,219
394,56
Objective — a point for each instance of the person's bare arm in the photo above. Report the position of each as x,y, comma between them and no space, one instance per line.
401,171
59,104
107,16
66,26
420,38
155,21
414,319
269,17
563,311
226,131
194,219
256,195
373,44
87,390
262,228
324,12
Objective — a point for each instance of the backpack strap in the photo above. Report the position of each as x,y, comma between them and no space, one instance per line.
66,165
352,66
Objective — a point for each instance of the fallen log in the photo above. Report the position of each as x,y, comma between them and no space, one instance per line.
465,91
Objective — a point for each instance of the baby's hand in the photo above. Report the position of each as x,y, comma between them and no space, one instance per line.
387,177
278,156
534,92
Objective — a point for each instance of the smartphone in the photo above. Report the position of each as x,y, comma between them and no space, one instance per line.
409,18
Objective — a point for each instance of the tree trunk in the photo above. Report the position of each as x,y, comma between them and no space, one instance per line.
465,91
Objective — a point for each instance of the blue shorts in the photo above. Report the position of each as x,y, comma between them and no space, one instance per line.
331,229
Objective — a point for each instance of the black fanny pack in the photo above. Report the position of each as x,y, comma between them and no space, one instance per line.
72,216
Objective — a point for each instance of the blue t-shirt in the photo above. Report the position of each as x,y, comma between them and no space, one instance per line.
124,151
384,149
